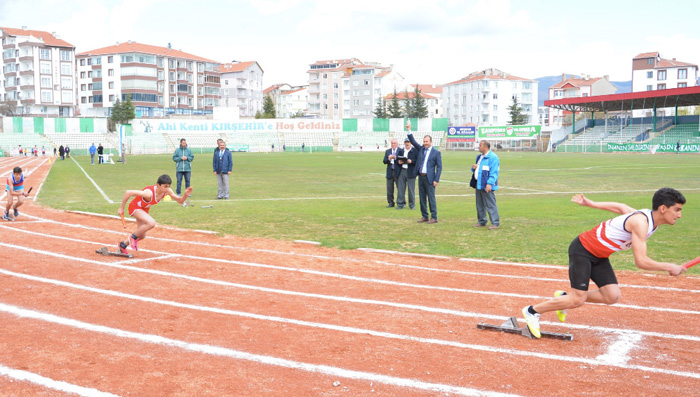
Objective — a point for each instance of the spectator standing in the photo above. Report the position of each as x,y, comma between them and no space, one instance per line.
407,175
429,166
62,152
100,152
43,151
92,150
21,152
222,165
67,152
183,158
302,147
123,153
486,172
54,151
678,146
392,171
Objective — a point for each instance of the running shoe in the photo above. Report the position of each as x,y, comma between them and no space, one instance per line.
533,322
5,216
561,314
134,243
16,213
122,248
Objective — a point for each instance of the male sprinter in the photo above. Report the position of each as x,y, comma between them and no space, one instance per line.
141,204
14,188
589,252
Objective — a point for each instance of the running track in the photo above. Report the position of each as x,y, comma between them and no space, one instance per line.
196,314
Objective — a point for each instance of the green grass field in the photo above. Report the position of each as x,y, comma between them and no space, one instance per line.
339,199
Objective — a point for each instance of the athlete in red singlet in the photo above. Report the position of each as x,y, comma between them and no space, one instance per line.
140,206
589,252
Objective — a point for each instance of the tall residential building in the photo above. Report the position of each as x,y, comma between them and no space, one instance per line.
576,87
242,87
160,80
430,101
289,100
483,98
434,103
349,88
38,72
651,72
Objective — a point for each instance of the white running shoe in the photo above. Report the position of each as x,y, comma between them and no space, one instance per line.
533,322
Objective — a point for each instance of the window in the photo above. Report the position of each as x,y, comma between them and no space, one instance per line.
83,87
44,54
45,96
650,61
66,97
45,67
325,75
495,96
90,75
682,85
171,76
495,108
65,55
89,87
111,85
65,68
111,98
661,75
661,87
110,72
83,100
356,102
82,75
650,75
355,83
650,87
366,82
46,82
682,74
82,62
66,83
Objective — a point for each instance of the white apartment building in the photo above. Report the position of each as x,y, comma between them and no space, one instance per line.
435,107
651,72
293,102
349,88
483,98
38,72
576,87
160,81
242,87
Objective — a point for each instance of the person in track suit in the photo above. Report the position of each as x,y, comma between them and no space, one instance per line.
429,165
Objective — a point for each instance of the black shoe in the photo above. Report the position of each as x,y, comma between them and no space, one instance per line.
390,205
400,207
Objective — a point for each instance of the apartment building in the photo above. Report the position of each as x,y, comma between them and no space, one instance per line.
576,87
483,98
430,101
349,87
651,72
242,87
160,80
38,70
435,107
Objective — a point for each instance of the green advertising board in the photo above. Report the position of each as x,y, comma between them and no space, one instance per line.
645,147
510,132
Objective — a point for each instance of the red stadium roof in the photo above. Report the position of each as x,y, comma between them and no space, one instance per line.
687,96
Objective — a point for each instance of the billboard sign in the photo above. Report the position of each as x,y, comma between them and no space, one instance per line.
510,132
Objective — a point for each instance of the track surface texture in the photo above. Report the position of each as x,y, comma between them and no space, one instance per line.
198,314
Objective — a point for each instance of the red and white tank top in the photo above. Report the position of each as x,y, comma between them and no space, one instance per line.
139,202
610,236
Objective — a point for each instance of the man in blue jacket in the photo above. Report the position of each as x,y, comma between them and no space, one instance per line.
93,150
429,165
183,157
486,174
223,164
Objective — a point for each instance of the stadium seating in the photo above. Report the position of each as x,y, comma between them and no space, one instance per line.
366,140
10,141
686,133
320,141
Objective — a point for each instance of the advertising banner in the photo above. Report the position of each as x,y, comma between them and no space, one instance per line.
461,134
260,125
510,132
645,147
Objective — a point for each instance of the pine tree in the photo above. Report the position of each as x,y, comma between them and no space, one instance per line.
380,111
394,109
123,112
268,108
408,106
420,108
516,114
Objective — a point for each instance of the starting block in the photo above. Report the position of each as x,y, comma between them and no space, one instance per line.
511,326
106,252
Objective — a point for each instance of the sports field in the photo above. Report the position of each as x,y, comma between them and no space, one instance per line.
250,312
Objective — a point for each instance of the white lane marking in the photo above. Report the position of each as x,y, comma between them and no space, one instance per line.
241,355
428,309
93,182
344,259
617,353
61,386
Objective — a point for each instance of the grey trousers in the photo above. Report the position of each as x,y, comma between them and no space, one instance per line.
222,181
390,183
486,202
404,182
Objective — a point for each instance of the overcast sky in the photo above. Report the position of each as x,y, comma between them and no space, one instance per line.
436,41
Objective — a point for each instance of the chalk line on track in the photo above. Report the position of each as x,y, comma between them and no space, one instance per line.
616,355
340,298
93,182
61,386
241,355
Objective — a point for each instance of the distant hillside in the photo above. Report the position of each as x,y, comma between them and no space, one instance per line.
548,81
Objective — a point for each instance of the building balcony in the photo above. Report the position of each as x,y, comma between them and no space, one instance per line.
25,58
29,72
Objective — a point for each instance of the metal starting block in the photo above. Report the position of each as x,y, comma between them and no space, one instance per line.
106,252
511,326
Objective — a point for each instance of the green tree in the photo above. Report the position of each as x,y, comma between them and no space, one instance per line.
394,109
258,115
380,111
299,114
408,106
123,112
420,107
268,108
516,114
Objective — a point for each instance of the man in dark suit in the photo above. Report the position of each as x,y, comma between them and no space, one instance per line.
392,171
408,156
429,166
